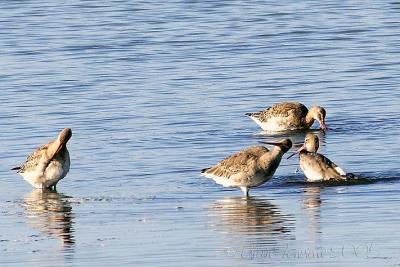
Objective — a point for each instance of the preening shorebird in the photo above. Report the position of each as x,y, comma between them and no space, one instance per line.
250,167
288,116
48,164
316,167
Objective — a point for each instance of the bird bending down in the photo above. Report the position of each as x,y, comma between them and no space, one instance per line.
250,167
316,167
288,116
48,164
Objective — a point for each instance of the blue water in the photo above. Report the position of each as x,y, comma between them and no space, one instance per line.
156,91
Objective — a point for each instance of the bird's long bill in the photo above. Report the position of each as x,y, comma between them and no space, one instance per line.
323,126
298,151
271,143
54,151
59,147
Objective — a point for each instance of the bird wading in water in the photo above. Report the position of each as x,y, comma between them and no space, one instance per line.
315,166
289,116
250,167
47,165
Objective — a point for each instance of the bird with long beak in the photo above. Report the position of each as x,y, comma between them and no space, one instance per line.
48,164
316,167
288,116
250,167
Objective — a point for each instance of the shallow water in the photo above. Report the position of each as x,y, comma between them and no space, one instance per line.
154,92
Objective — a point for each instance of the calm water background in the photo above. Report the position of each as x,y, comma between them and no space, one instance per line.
156,91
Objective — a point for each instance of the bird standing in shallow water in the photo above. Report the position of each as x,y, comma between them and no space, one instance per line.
250,167
288,116
316,167
48,164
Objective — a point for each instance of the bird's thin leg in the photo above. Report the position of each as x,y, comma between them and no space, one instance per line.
245,191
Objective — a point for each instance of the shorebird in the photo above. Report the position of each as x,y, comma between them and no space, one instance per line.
250,167
288,116
316,167
48,164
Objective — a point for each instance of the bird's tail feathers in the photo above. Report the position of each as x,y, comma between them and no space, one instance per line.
253,114
18,168
204,170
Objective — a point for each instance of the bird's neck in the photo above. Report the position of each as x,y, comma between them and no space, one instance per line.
309,119
277,151
271,159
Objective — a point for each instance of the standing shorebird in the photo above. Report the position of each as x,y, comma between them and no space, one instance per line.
317,167
288,116
48,164
250,167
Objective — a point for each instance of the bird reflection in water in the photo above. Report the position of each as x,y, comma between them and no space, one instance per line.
51,213
251,223
312,198
312,204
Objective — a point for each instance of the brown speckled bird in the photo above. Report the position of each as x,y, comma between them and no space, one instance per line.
48,164
288,116
250,167
316,167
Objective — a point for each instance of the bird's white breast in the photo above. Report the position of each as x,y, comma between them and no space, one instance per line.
313,175
276,124
239,179
54,172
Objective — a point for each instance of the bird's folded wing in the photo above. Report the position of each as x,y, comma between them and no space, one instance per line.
33,159
239,163
331,164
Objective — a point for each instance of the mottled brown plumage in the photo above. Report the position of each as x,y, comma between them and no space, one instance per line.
315,166
288,116
285,109
248,168
48,164
33,159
